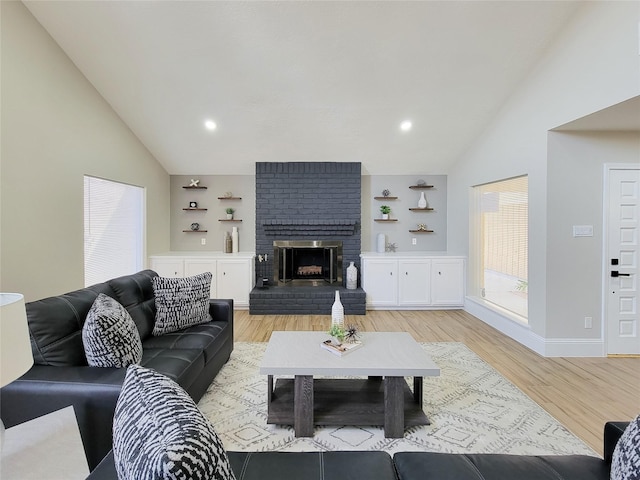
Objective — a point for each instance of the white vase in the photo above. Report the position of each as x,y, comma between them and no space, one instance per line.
422,203
381,243
352,276
385,216
337,312
234,240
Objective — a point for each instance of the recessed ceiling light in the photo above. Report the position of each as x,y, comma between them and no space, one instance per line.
406,125
210,125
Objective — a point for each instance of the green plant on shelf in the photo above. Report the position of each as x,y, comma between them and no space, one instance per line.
230,211
385,209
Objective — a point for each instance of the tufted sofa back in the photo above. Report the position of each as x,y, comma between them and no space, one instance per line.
55,323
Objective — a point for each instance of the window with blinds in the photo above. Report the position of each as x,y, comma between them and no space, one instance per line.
504,249
113,229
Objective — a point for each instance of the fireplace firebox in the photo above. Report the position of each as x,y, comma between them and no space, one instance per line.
302,262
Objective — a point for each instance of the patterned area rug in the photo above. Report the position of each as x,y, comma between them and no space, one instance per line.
471,406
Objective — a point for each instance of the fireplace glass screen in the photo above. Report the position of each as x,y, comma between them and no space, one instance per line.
314,262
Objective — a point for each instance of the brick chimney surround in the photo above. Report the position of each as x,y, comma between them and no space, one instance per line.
307,201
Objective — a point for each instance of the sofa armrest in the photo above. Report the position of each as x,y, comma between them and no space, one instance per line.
221,309
612,433
92,391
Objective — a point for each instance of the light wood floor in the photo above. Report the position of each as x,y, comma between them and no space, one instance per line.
582,393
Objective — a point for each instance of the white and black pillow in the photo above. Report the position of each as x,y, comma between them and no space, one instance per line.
159,432
625,463
110,336
181,302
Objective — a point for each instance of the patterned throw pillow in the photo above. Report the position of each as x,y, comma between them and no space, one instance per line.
181,302
110,336
159,432
625,464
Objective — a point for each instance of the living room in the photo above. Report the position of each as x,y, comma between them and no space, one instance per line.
559,123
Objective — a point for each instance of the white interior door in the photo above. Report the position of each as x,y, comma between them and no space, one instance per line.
621,297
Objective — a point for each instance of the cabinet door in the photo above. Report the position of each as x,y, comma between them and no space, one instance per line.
447,282
195,266
414,278
234,280
167,267
380,281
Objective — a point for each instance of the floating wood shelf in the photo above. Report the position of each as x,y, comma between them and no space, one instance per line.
420,187
421,231
383,220
194,188
229,220
195,209
428,209
385,198
229,198
194,231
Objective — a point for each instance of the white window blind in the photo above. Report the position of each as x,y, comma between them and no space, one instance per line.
113,229
504,228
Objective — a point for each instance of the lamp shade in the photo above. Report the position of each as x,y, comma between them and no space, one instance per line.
15,347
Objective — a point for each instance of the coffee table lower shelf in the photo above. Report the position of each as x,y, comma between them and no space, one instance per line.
338,402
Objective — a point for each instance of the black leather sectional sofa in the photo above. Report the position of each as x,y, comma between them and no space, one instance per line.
410,465
61,377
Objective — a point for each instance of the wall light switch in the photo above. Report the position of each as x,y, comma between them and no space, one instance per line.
414,241
203,241
583,230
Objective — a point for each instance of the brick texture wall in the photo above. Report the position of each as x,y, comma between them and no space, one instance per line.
307,201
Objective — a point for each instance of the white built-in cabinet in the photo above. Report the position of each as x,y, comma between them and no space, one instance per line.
394,280
232,273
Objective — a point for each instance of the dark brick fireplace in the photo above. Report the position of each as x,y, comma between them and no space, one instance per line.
307,201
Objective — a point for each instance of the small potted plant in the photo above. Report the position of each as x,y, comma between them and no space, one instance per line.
337,334
230,213
385,209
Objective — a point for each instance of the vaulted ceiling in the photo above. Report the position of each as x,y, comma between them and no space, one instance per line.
305,81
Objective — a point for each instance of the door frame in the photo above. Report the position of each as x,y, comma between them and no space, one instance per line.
608,167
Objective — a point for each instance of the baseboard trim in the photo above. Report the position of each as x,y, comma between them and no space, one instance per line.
547,347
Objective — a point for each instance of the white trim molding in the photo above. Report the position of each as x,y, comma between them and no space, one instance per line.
521,332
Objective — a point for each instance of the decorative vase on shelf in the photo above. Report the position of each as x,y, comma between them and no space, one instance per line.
381,243
352,276
234,240
337,312
385,216
422,203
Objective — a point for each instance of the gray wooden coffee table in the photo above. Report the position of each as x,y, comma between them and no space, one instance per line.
382,398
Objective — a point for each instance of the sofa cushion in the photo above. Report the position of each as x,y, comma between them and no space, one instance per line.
159,432
181,302
352,465
55,326
109,335
625,463
182,365
135,293
450,466
205,337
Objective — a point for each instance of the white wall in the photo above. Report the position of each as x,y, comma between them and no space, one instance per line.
593,64
575,197
55,129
